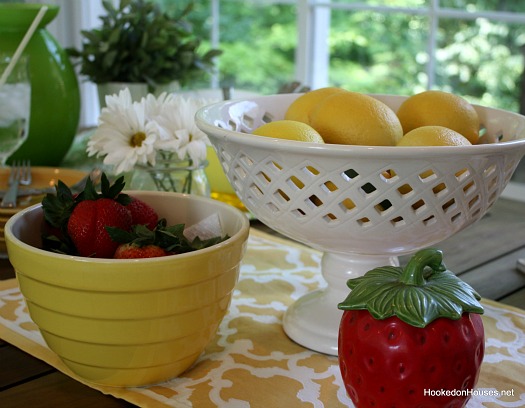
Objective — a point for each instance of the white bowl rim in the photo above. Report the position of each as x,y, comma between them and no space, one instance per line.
339,150
245,225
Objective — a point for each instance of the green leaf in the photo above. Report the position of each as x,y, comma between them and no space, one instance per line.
58,207
418,294
382,305
114,37
119,235
170,238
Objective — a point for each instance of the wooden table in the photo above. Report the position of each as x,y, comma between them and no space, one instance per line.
484,255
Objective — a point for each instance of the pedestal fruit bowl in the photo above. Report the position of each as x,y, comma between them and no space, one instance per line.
362,206
130,322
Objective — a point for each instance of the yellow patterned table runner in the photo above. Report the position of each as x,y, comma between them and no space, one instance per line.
252,363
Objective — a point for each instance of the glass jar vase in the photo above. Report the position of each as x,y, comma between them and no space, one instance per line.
172,174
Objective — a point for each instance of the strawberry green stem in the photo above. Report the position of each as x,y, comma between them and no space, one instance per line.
418,294
414,272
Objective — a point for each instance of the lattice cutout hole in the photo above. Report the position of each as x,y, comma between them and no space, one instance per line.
397,221
272,207
383,206
276,165
316,201
449,205
247,161
489,171
363,221
427,175
266,118
232,124
347,205
240,172
264,177
294,182
455,217
248,121
256,191
405,189
310,170
492,183
418,205
349,174
298,213
476,213
429,221
469,187
389,175
368,188
280,194
439,188
227,157
226,167
329,187
474,201
462,174
329,217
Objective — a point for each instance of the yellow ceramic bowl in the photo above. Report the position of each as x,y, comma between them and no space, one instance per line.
130,322
42,177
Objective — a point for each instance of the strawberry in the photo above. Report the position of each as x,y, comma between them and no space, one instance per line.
96,224
142,213
163,240
81,219
128,251
411,337
87,226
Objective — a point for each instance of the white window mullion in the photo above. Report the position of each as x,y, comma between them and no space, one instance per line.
215,36
433,16
313,52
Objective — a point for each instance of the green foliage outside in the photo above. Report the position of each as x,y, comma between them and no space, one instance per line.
373,52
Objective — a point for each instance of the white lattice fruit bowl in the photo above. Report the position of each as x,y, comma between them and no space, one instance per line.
363,206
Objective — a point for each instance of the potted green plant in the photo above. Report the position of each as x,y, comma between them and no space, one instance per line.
141,46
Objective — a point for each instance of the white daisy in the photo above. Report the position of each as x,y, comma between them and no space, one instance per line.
124,135
131,133
155,105
179,132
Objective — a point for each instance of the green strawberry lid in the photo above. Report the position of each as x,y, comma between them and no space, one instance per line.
419,293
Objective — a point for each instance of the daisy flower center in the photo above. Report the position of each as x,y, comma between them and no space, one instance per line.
137,139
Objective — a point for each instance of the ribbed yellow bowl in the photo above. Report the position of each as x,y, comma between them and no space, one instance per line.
130,322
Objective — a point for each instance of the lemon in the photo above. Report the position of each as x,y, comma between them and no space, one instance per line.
433,136
289,130
357,119
300,108
438,108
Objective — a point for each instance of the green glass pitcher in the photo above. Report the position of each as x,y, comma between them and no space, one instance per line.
55,94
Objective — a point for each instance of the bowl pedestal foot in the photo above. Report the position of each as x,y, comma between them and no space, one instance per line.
313,320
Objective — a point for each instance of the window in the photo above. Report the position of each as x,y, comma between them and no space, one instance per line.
474,48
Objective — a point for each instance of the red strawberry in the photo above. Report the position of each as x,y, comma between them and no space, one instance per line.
87,226
129,251
142,213
408,337
78,221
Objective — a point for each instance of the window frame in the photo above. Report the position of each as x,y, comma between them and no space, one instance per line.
312,52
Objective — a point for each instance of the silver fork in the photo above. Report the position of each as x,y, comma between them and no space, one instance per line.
20,174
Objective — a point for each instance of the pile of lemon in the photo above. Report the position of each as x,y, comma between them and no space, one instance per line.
337,116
